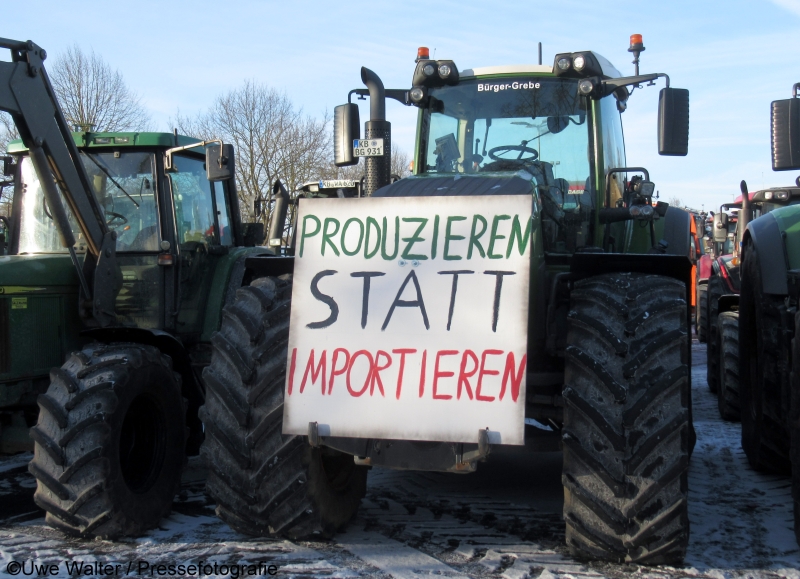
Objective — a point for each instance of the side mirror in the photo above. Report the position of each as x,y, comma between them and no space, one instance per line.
8,166
786,134
346,128
673,122
5,230
219,167
720,229
278,217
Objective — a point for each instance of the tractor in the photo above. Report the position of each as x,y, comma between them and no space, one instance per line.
122,250
521,287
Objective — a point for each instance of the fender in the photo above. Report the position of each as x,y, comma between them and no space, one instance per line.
677,232
728,303
191,387
768,241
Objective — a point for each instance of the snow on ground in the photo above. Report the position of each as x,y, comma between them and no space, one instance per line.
503,521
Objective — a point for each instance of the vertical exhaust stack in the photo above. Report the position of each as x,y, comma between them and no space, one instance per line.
744,218
378,169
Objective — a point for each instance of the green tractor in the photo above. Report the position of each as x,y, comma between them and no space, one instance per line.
769,348
122,249
520,248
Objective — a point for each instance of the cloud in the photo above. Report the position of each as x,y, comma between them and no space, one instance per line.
792,6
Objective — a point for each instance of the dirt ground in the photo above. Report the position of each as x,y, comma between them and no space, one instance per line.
503,521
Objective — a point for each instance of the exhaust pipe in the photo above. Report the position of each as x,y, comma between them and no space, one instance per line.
744,217
378,169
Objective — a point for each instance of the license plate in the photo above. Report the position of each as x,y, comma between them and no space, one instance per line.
368,147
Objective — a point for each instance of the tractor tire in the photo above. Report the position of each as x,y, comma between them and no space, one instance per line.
110,441
794,424
728,340
716,289
627,422
265,482
765,438
701,319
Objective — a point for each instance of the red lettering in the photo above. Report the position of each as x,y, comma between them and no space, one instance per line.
334,371
484,372
291,369
376,372
369,372
439,374
422,373
315,372
402,352
516,379
463,377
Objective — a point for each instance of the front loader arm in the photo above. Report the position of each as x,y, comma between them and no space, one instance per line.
27,95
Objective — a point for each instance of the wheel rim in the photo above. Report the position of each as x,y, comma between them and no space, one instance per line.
142,444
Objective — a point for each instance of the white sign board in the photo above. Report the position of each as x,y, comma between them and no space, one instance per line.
409,318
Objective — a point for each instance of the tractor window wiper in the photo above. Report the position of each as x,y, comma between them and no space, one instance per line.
114,181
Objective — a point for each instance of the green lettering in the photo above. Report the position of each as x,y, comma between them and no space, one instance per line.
449,237
305,234
475,237
423,221
516,232
435,236
326,236
494,237
384,255
370,223
360,235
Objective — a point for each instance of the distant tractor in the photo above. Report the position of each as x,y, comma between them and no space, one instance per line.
520,287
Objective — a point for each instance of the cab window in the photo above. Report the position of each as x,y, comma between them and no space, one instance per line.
200,209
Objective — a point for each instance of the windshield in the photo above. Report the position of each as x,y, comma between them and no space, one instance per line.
123,184
537,124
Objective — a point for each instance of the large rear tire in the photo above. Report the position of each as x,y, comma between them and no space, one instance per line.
728,340
109,442
701,322
794,424
716,289
762,369
265,482
626,420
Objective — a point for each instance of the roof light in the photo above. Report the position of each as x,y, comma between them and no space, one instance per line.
416,94
563,63
102,140
579,62
444,70
768,195
636,41
423,53
781,195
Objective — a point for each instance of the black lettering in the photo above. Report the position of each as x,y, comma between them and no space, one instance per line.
453,289
418,303
367,275
498,288
325,299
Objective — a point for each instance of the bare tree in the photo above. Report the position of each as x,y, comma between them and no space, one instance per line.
94,96
675,202
273,140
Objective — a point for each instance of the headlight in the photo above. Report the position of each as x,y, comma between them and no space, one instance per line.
636,210
416,94
563,63
647,210
428,70
782,195
585,86
444,70
579,62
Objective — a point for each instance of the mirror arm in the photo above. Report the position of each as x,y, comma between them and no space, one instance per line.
169,152
612,84
399,95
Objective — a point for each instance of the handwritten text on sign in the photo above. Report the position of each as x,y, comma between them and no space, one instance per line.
409,318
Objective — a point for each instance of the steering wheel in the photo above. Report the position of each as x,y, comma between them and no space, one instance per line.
534,154
116,220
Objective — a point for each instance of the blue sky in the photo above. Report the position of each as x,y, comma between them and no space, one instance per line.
735,57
